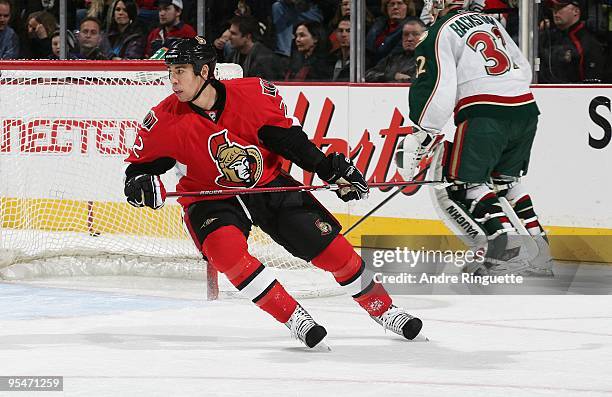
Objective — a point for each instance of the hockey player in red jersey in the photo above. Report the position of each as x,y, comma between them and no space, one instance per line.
235,134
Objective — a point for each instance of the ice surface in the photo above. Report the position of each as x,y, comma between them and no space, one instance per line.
114,343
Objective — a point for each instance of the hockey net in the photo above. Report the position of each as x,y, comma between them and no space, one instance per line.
65,129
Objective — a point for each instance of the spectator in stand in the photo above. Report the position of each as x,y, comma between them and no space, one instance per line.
385,35
286,14
311,62
170,26
55,46
18,24
261,9
92,44
343,11
399,68
125,35
242,9
256,59
190,12
52,6
40,25
93,8
148,13
218,14
569,53
223,12
9,42
223,46
342,53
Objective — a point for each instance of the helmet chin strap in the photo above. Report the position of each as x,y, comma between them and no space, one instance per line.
197,95
206,83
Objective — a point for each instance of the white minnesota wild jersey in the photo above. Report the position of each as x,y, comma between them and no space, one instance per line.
468,64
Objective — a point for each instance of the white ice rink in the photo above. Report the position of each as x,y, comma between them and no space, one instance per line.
129,344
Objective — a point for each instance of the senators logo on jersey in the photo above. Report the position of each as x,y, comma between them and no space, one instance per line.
240,166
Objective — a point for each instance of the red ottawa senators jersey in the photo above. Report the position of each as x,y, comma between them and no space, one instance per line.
212,155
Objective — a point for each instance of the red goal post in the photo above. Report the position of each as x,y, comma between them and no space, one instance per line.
65,128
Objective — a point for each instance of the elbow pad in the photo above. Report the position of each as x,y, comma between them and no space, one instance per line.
293,144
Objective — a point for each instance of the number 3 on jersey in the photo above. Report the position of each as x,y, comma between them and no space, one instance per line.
485,43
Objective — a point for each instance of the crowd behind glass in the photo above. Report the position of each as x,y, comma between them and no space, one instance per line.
297,40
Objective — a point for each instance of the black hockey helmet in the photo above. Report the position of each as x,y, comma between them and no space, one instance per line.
195,51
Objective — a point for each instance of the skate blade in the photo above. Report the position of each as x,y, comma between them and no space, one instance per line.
321,347
420,338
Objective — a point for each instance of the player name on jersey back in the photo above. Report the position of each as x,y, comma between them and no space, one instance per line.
465,23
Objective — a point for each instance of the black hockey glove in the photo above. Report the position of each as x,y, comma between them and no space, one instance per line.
336,168
145,190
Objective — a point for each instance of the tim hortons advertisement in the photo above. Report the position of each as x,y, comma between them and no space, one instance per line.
567,175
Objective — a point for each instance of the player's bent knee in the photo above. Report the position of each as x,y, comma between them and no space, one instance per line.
506,186
510,188
226,249
521,203
225,245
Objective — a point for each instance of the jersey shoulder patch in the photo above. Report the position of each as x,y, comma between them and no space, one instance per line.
150,120
253,85
268,88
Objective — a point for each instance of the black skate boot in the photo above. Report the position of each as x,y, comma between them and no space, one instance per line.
304,328
397,320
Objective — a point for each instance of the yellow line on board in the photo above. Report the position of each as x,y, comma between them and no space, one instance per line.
567,243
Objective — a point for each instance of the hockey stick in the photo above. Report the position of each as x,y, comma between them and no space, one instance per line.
373,210
303,188
441,185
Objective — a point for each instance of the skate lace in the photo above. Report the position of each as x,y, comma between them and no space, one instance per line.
301,323
394,319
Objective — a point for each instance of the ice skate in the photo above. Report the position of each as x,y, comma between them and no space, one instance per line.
397,320
304,328
506,256
541,265
500,268
475,268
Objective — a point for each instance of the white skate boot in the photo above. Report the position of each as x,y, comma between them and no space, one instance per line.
512,259
397,320
304,328
542,264
475,268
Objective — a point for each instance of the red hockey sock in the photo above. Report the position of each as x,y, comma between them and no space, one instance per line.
226,249
374,300
348,269
278,303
